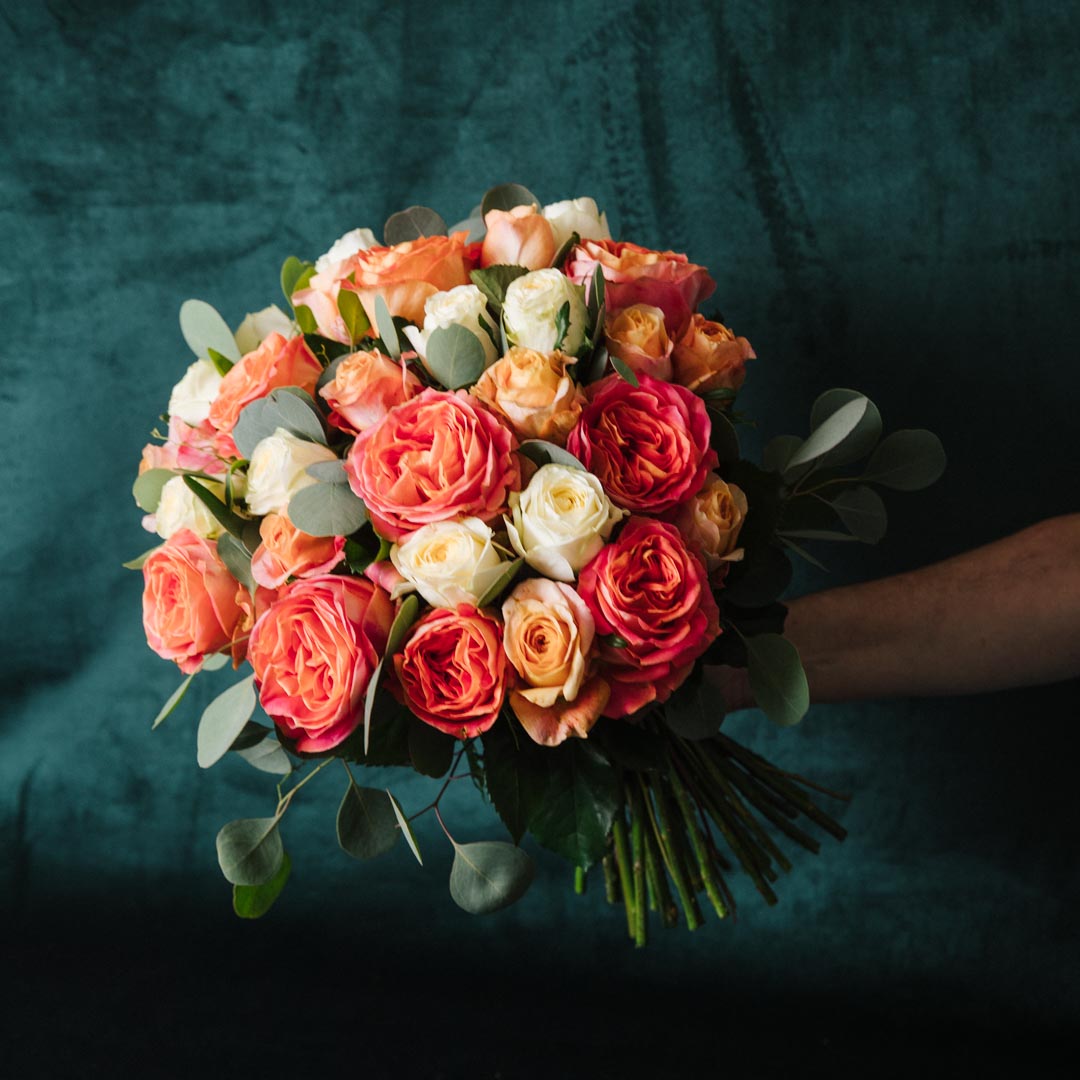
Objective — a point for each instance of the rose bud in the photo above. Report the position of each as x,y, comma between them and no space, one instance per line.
517,237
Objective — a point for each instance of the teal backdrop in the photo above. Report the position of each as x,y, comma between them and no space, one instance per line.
887,198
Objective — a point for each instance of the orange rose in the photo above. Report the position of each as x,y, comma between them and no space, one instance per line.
278,361
710,522
405,275
252,609
189,600
365,387
286,552
637,336
518,237
534,392
710,357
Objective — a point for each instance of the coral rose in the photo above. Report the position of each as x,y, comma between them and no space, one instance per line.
638,337
535,393
453,671
649,444
647,589
518,237
710,522
636,275
278,361
710,357
189,600
287,552
438,457
314,652
365,387
548,636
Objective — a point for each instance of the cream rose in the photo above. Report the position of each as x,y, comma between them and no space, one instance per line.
259,325
561,520
581,216
531,307
180,508
278,470
344,247
464,305
449,562
192,396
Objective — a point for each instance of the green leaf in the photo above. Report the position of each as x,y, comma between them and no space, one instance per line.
204,329
723,437
237,560
139,560
493,281
353,315
403,620
623,369
286,407
777,678
222,364
693,711
366,822
596,335
563,253
267,755
294,276
506,197
214,662
455,356
369,702
501,582
329,472
224,516
778,452
816,534
862,510
305,319
862,438
489,875
562,325
173,701
907,460
327,510
147,488
223,720
254,901
596,292
430,750
547,453
831,433
406,828
596,366
720,396
412,224
249,850
384,323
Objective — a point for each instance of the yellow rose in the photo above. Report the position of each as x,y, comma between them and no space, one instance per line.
637,335
711,521
710,357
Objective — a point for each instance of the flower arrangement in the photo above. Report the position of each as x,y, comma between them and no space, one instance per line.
476,506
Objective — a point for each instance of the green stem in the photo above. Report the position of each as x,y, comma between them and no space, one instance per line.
654,869
662,829
284,800
697,842
637,848
579,880
611,879
622,859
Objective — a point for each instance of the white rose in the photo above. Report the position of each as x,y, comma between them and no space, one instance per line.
259,325
581,216
532,304
449,562
191,396
343,247
278,470
561,520
464,305
181,508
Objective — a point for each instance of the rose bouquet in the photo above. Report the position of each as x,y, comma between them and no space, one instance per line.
476,506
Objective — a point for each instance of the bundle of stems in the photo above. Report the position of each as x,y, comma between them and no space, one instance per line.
665,843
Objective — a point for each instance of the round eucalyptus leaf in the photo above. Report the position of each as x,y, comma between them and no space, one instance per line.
547,453
249,850
862,510
832,432
506,197
366,822
204,329
777,678
778,452
327,510
455,356
329,472
907,460
862,438
254,901
406,828
172,701
412,224
267,756
223,720
147,488
489,875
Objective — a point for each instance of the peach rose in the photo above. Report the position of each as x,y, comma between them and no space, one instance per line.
314,652
649,590
548,637
286,552
710,357
535,393
278,361
711,521
365,387
636,275
189,600
453,672
518,237
649,444
252,609
637,336
437,457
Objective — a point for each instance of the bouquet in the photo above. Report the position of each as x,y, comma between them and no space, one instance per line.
475,506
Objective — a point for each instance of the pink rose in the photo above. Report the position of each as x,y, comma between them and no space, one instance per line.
365,387
648,590
649,444
437,457
518,237
314,652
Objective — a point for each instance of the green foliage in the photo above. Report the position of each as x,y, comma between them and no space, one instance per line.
173,700
353,315
547,453
430,750
147,488
832,432
254,901
287,407
225,517
563,253
628,744
305,319
907,460
489,875
778,452
860,440
455,356
237,559
595,301
331,509
595,367
222,364
501,583
406,828
493,282
384,323
366,822
139,560
760,578
294,276
562,324
722,436
777,678
412,224
623,369
506,197
223,720
267,755
329,472
403,620
249,850
693,711
204,329
862,511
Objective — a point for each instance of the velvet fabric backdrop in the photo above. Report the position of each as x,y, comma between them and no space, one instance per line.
887,200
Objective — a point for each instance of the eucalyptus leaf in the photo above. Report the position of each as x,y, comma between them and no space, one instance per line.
225,517
723,437
214,661
148,486
172,701
327,510
506,197
596,291
862,438
384,323
329,472
254,901
251,734
223,720
412,224
369,702
493,282
330,372
623,369
366,822
832,432
249,850
139,560
862,510
204,329
430,750
286,407
547,453
455,356
267,755
403,620
237,560
406,828
778,452
489,875
803,553
353,315
907,460
501,582
777,678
